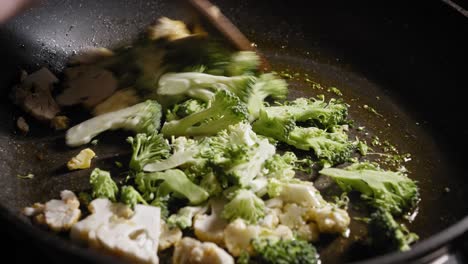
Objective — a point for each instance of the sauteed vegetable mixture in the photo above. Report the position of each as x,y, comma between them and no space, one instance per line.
221,159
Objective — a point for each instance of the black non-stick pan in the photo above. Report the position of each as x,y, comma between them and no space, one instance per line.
406,60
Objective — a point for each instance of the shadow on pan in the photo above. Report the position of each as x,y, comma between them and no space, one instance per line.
411,57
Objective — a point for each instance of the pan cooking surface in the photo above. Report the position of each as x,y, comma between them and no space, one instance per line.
44,153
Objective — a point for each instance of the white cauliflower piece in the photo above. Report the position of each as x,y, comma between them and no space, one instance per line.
192,251
238,235
58,215
169,236
308,232
102,210
136,238
82,160
211,227
292,216
113,227
169,29
328,217
271,219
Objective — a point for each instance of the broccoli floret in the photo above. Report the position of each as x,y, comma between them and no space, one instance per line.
245,205
239,152
185,151
330,147
267,85
386,233
186,108
225,109
175,182
141,118
318,112
102,184
392,191
282,252
201,85
243,63
130,196
147,149
184,217
280,166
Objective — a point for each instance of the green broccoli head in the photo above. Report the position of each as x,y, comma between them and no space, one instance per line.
170,182
147,149
225,109
392,191
186,108
330,147
280,166
243,63
245,205
201,85
316,112
102,184
239,153
130,196
386,233
282,251
141,118
267,85
185,151
270,126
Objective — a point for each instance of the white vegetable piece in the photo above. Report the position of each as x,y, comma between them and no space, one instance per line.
328,217
192,251
114,228
58,215
169,236
211,227
238,235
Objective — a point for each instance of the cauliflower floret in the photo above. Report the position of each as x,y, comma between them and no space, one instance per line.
211,227
58,215
169,29
292,215
238,235
82,160
169,236
102,210
192,251
136,238
309,232
115,228
328,217
271,219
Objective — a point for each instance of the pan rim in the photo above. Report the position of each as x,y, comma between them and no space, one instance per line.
419,250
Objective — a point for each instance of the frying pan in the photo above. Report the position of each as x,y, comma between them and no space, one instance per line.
406,60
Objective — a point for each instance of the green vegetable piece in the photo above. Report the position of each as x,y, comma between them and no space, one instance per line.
102,184
147,149
131,197
159,184
141,118
245,205
387,233
392,191
225,109
282,252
